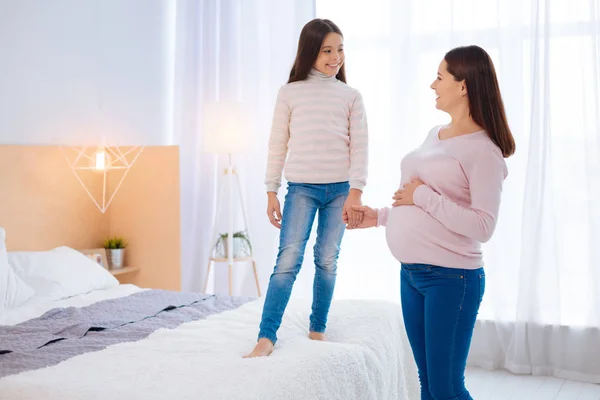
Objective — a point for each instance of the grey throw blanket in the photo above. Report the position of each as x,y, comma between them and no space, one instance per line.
63,333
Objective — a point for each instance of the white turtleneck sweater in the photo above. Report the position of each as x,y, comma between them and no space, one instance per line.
320,124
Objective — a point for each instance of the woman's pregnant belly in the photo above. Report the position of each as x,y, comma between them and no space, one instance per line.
414,236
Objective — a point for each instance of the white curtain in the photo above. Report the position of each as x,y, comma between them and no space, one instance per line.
229,50
541,310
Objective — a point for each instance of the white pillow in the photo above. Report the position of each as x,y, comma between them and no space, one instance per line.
13,291
60,273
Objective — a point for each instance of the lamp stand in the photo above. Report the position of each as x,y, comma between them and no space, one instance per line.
230,172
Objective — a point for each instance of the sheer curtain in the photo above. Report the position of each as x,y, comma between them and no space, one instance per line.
541,311
229,50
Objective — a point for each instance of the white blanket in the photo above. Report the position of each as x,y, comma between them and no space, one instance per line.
366,357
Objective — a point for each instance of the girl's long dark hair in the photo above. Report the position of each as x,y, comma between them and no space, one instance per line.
309,46
473,65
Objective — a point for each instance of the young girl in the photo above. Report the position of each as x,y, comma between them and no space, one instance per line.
320,125
447,206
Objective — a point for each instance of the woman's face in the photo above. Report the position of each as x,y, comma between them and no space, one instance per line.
331,55
450,93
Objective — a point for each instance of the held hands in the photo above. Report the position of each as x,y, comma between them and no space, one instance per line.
369,217
274,210
404,196
351,217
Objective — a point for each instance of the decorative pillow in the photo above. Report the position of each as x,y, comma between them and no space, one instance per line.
13,291
60,273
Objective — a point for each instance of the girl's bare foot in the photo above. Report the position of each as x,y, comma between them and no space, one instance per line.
317,336
263,348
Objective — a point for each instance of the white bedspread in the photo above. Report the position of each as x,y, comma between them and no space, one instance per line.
367,357
37,306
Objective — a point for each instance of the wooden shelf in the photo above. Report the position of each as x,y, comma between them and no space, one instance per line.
123,270
235,259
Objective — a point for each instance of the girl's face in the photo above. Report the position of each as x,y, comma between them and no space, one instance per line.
331,55
450,93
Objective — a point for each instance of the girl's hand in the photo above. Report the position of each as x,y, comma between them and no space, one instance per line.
274,210
369,215
404,196
350,216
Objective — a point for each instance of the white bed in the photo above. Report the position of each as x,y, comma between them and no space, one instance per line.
366,357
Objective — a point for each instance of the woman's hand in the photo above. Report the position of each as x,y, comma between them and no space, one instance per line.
350,216
369,217
274,210
404,196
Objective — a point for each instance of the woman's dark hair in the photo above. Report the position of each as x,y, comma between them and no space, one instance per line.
473,65
309,46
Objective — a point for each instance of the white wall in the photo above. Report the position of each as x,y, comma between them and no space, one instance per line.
86,72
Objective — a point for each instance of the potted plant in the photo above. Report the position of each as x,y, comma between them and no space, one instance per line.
241,245
115,251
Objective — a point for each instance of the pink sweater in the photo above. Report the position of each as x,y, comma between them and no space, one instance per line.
320,125
457,207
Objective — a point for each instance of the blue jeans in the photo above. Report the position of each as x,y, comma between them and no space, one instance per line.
300,207
440,307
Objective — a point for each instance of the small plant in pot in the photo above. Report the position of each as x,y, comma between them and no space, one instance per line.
115,251
241,245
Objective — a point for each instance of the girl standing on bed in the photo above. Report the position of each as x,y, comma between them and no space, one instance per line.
320,125
446,207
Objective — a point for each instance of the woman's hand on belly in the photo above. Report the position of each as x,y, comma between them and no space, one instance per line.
404,196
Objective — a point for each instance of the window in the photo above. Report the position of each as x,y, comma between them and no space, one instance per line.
544,254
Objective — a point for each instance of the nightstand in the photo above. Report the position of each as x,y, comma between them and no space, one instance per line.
123,270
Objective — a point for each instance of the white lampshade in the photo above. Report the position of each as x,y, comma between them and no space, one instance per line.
227,127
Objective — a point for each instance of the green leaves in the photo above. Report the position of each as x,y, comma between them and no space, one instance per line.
116,242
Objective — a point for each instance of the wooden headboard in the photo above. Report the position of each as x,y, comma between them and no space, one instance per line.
42,205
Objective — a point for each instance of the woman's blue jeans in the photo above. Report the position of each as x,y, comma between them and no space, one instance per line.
440,307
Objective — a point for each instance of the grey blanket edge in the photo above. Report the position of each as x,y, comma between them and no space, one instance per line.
62,333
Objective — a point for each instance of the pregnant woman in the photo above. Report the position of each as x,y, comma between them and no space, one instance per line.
447,205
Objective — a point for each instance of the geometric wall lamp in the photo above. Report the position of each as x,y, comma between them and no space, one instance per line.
106,160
